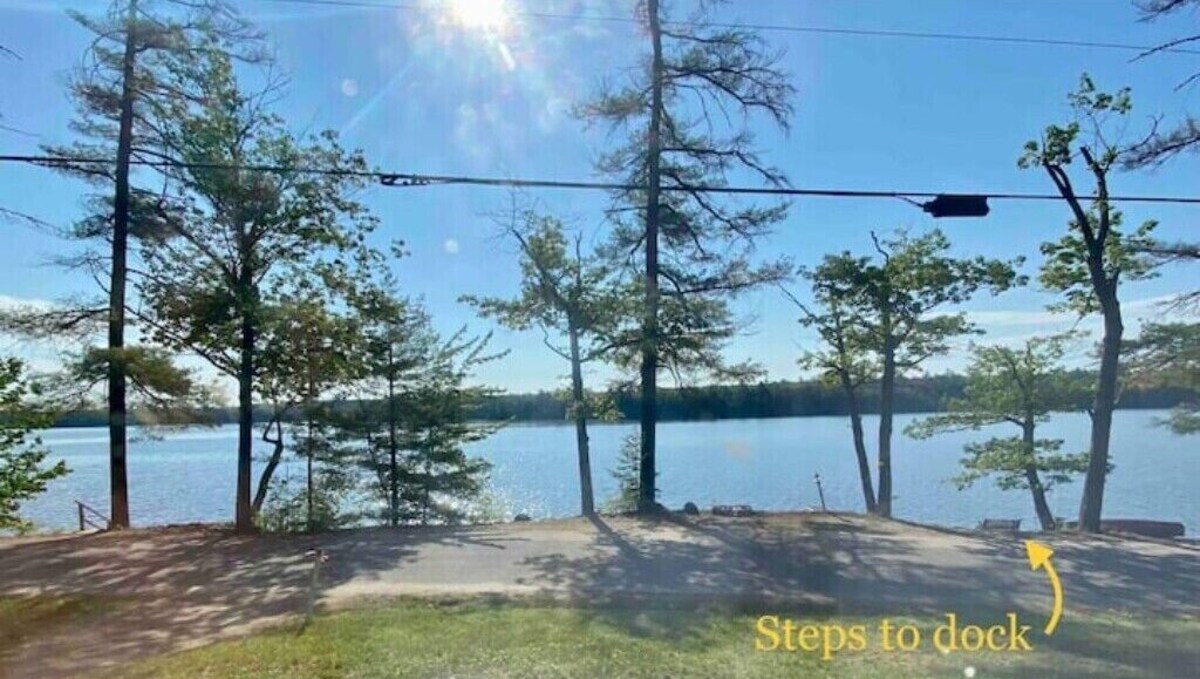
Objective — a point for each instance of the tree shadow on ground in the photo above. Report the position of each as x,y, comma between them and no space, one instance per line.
649,576
177,588
831,564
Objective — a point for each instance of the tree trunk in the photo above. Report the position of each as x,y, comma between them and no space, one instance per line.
117,415
308,449
268,472
647,494
860,446
425,501
1040,506
244,516
1102,411
586,498
887,398
393,462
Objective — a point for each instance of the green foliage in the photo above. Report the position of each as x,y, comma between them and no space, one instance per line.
845,361
1088,264
890,302
415,412
562,287
163,39
290,236
287,507
1089,261
22,472
437,478
1008,459
1066,269
628,476
711,80
1093,110
1013,386
1168,355
566,293
163,393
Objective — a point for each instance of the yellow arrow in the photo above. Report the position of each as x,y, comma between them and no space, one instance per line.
1039,557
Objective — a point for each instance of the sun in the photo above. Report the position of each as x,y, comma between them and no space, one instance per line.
491,15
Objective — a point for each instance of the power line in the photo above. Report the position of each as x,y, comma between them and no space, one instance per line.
778,28
409,179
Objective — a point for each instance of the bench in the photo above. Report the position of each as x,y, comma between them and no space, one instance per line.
1009,525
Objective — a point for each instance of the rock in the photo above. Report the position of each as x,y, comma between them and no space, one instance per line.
522,517
691,509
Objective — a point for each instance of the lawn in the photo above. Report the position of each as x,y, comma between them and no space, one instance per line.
490,639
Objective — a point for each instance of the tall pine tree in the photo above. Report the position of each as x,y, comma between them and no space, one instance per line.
684,117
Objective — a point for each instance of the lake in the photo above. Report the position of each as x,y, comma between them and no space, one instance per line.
189,476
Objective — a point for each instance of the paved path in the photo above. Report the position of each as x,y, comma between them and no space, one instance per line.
184,587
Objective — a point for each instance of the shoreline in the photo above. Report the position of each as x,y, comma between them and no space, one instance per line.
591,423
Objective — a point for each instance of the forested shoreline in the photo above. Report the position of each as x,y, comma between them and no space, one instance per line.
808,398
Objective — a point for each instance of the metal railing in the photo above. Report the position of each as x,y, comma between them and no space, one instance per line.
86,515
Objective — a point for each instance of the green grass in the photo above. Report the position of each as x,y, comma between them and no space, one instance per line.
23,618
480,639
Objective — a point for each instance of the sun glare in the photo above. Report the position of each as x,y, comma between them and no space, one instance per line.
480,14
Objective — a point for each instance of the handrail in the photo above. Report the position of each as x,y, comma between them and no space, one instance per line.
85,521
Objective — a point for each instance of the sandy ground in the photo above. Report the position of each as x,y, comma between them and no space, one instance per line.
189,586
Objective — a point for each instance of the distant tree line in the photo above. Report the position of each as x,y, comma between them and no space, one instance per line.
712,402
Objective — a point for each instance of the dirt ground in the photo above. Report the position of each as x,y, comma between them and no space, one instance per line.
181,587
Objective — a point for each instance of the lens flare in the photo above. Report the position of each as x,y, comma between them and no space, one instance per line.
489,15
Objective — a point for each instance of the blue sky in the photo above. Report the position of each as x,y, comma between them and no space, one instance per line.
421,92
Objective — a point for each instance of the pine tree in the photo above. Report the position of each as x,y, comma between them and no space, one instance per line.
1018,387
679,113
893,305
570,296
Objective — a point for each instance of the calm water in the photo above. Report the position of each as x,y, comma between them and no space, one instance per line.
769,464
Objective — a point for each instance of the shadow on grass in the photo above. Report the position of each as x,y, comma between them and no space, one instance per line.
187,586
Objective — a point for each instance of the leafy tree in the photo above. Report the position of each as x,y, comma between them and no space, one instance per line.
845,363
1019,387
572,296
247,239
295,506
309,350
1168,355
894,309
1088,264
22,473
125,84
684,115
